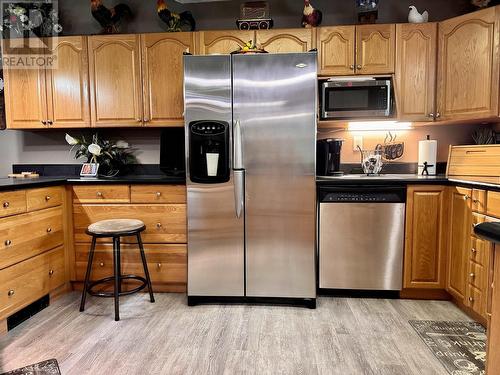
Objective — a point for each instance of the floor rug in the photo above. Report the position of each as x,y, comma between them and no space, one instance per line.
49,367
459,346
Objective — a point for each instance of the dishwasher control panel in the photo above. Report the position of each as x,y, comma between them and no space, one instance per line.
390,195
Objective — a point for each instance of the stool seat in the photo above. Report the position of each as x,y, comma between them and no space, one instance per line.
115,227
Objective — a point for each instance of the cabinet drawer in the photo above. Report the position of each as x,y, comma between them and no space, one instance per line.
476,219
101,194
493,205
477,276
166,263
27,235
22,284
476,300
12,203
165,223
56,273
479,251
38,199
479,201
158,194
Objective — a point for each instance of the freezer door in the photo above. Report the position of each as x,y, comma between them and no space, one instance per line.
274,103
215,221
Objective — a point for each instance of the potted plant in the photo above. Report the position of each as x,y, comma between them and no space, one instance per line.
113,157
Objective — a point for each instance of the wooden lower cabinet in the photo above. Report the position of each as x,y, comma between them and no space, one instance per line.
424,265
167,263
458,240
27,281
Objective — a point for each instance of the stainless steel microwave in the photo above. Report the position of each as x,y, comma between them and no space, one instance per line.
356,97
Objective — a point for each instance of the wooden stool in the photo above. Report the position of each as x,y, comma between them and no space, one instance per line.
115,229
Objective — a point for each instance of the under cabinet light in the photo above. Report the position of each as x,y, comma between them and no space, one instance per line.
378,126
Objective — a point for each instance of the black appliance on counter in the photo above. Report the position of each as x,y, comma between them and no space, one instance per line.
328,157
172,152
209,151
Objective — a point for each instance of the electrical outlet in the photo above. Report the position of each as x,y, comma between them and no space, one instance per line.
357,140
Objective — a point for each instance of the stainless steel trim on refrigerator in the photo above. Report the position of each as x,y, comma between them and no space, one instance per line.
254,236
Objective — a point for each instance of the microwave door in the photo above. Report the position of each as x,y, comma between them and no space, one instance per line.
356,99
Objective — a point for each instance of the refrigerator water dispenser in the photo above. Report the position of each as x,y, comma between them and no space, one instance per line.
209,151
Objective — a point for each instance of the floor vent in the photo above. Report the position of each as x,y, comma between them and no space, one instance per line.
26,313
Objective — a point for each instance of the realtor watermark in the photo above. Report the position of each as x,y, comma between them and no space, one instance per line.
29,31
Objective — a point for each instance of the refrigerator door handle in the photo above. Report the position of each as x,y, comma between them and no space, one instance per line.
239,192
237,149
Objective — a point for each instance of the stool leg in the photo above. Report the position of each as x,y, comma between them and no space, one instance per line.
145,265
87,274
116,263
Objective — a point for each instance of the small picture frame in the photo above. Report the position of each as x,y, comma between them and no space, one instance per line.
89,169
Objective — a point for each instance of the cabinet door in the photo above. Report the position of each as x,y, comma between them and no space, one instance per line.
375,49
68,102
416,51
115,80
459,241
424,241
336,50
222,42
25,95
468,66
285,40
163,77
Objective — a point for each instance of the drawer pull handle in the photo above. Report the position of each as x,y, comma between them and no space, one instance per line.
51,272
8,242
10,293
158,225
49,230
158,194
6,204
47,198
101,264
351,67
466,197
359,67
471,299
473,250
159,265
472,275
99,194
476,201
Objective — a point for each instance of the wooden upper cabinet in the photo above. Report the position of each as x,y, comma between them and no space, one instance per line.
163,74
459,241
285,40
116,80
375,49
222,42
336,50
68,84
425,242
415,81
25,94
468,66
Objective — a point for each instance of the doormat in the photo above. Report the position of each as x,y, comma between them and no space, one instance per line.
49,367
459,346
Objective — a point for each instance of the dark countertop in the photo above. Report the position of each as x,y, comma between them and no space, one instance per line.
402,179
488,231
26,183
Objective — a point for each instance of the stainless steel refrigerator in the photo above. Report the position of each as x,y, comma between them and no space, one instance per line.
250,159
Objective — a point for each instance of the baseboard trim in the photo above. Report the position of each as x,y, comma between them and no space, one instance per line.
425,294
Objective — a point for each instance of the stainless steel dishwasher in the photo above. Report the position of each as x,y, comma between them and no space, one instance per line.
361,237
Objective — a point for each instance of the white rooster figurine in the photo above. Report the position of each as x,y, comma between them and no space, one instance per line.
415,17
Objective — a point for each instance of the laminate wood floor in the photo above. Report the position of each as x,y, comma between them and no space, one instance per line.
342,336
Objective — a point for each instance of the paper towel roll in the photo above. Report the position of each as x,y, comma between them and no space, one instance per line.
427,152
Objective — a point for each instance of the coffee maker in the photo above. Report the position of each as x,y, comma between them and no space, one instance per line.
328,157
209,151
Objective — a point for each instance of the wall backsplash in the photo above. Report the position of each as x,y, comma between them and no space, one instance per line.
76,18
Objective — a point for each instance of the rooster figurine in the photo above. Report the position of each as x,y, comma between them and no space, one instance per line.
175,21
109,18
311,17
